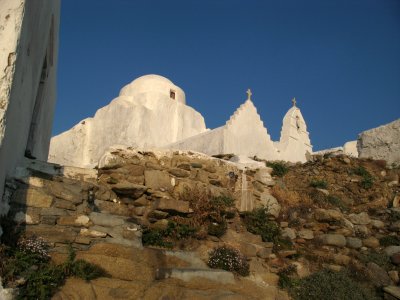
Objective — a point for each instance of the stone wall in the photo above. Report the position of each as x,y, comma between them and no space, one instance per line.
130,189
381,143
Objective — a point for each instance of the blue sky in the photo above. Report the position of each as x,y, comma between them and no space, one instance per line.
339,58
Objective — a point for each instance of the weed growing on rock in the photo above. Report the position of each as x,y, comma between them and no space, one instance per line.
229,259
319,184
164,237
257,222
389,240
329,285
28,267
381,259
286,279
217,229
367,180
278,168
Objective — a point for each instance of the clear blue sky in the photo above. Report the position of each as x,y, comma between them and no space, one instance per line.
339,58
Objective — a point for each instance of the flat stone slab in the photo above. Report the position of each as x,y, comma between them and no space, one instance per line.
392,290
187,274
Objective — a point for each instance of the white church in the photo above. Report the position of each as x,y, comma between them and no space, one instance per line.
151,112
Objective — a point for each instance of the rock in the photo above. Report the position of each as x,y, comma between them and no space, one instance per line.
395,258
341,259
264,252
102,219
263,175
25,218
393,291
156,180
160,224
360,219
377,224
378,275
117,208
361,230
381,143
92,233
52,234
333,240
64,204
396,201
354,243
327,215
83,240
172,205
390,250
81,220
111,161
271,204
140,211
158,214
105,194
288,233
179,173
130,189
65,191
395,226
218,276
142,201
323,191
306,234
371,242
184,167
32,197
394,276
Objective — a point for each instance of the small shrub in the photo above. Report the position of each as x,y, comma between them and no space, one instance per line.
367,179
35,246
87,271
224,201
329,285
394,216
367,182
282,244
217,229
155,237
278,168
381,259
257,222
320,184
389,240
229,259
178,231
286,279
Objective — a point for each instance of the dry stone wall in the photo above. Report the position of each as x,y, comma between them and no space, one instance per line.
130,189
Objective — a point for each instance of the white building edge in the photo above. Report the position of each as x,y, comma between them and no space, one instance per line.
151,112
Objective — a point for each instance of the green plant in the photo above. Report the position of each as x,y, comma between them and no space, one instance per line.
286,280
367,180
155,237
223,200
278,168
178,231
217,229
329,285
389,240
257,222
381,259
30,260
320,184
229,259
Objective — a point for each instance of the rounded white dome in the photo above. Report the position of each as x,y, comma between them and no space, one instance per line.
154,84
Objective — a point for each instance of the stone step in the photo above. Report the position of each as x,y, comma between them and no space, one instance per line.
190,257
188,274
30,166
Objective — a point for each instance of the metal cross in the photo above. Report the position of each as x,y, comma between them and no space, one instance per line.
294,101
249,93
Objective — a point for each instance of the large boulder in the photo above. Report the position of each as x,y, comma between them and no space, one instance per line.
381,143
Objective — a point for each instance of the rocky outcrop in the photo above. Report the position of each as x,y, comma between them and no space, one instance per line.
381,143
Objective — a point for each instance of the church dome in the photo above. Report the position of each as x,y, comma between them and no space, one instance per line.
154,84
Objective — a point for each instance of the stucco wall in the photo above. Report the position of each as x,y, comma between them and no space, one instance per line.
144,115
25,33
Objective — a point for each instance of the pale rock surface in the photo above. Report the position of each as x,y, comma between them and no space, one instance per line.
382,142
144,115
350,149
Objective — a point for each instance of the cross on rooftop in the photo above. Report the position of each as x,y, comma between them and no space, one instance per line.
249,93
294,101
